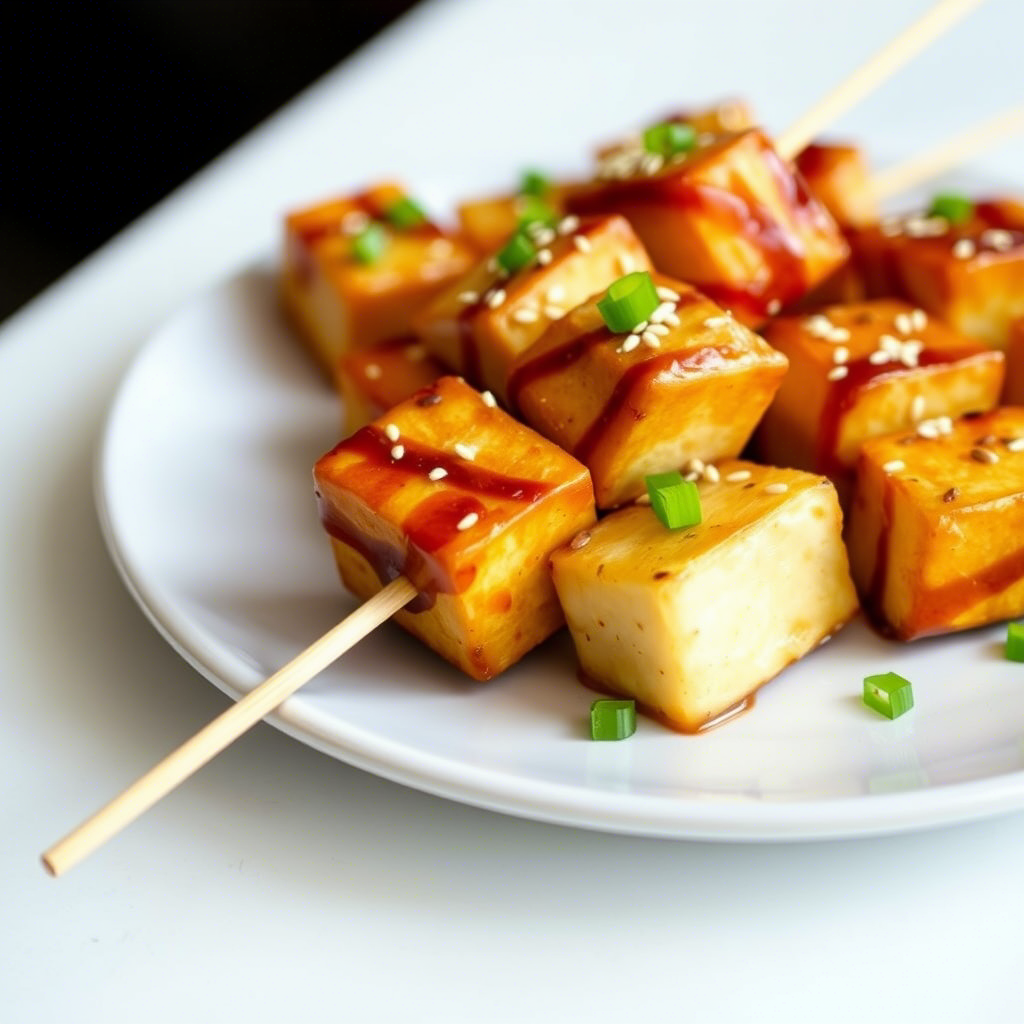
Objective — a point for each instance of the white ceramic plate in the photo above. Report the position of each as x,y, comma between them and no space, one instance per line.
206,501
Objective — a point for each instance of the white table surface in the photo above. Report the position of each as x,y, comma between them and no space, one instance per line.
281,885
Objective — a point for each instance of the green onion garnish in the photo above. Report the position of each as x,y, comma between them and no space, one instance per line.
952,207
670,138
1015,641
517,253
533,183
628,302
533,210
612,719
675,501
369,245
889,694
406,214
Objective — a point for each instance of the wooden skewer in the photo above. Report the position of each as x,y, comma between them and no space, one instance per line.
918,169
868,76
226,728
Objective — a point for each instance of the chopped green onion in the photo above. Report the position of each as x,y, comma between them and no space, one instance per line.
406,214
675,501
952,207
1015,641
612,719
670,138
533,210
888,694
629,301
518,252
533,183
369,245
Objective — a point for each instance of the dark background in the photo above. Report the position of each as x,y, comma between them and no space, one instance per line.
106,106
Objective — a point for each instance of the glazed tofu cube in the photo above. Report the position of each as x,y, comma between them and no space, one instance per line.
1013,393
371,381
487,223
482,322
864,370
730,217
838,176
465,502
340,303
690,622
936,531
693,385
969,274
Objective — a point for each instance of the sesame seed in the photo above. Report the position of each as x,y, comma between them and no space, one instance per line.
630,343
927,429
903,324
465,451
640,327
879,358
894,466
354,221
433,398
467,521
711,474
738,476
667,294
524,315
650,339
489,400
469,298
438,473
373,371
818,325
837,334
660,329
495,298
964,249
439,248
917,407
889,344
776,488
553,312
840,354
692,477
398,451
651,163
1015,444
773,307
581,540
671,319
891,226
582,243
392,432
925,227
556,293
838,372
544,257
717,321
542,235
952,494
567,225
695,465
644,499
984,455
626,262
919,319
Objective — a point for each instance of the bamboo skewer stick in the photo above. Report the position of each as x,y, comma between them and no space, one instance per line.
867,77
921,168
226,728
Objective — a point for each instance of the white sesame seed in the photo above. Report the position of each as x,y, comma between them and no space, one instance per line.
553,312
524,315
465,451
717,321
928,430
581,540
556,293
660,329
630,343
495,298
919,319
469,298
640,327
711,474
1015,444
582,243
644,499
438,473
917,407
776,488
354,221
392,432
964,249
894,466
879,357
626,262
840,354
542,235
398,451
489,400
651,163
373,371
773,307
692,477
738,476
998,239
818,325
467,521
903,323
544,257
650,339
891,226
694,465
838,334
567,225
667,294
838,372
671,319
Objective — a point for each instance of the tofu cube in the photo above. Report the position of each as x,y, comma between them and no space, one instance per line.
864,370
482,322
487,223
371,381
838,176
730,217
339,303
936,533
1013,392
971,275
691,622
466,503
626,409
